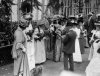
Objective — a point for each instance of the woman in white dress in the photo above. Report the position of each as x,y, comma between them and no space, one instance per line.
93,68
77,57
40,54
30,47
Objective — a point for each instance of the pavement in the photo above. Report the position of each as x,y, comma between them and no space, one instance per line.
51,68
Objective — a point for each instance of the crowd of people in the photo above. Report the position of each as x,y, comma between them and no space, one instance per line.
65,37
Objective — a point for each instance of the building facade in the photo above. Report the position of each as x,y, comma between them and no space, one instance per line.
37,14
74,7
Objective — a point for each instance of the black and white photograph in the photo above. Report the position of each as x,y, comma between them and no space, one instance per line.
49,37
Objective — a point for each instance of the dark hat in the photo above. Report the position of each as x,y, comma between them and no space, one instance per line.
80,19
97,22
71,22
98,17
72,17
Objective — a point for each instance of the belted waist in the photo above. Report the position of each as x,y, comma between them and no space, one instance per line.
97,40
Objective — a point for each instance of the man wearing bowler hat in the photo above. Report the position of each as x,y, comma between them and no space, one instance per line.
69,44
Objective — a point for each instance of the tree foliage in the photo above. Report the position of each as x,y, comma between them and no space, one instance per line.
5,14
5,9
28,5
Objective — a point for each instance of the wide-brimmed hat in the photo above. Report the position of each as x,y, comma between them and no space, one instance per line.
72,19
97,23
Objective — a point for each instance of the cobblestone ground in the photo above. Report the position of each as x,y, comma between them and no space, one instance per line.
51,68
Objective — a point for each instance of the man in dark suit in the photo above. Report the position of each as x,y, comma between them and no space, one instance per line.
69,46
89,25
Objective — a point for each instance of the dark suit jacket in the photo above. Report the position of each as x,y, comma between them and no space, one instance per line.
69,42
91,26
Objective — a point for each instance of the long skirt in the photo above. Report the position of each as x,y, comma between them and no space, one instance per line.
40,54
86,41
91,53
21,65
93,69
57,51
77,57
82,45
31,55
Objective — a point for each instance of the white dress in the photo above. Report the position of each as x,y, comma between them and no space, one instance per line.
40,54
30,50
93,68
96,33
77,57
